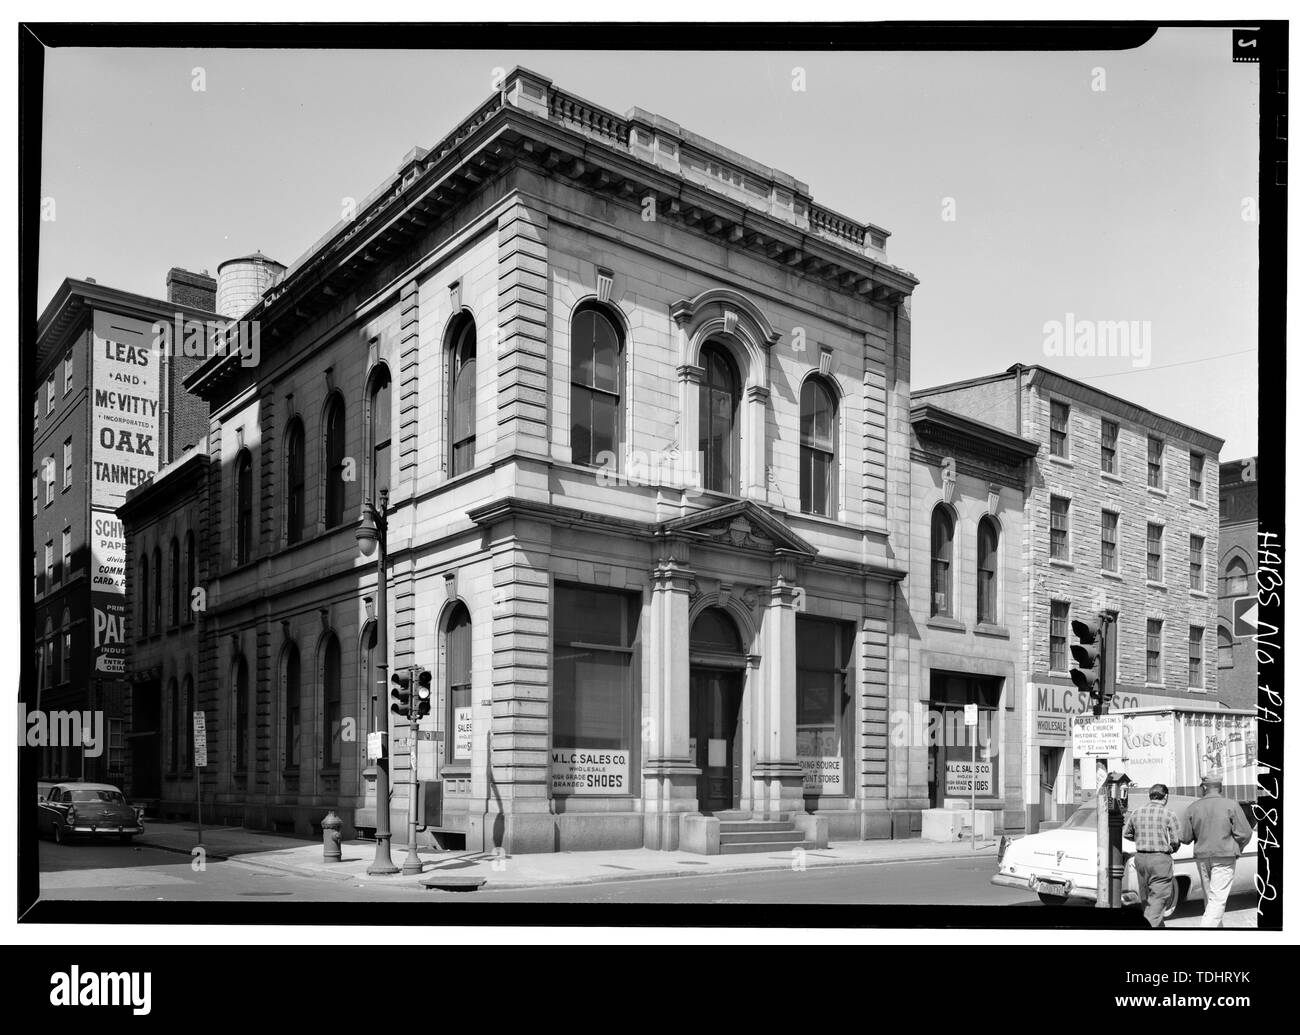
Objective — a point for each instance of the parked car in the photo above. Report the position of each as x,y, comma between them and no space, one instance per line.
1061,864
70,810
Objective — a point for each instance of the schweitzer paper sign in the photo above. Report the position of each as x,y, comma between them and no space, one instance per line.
124,408
108,591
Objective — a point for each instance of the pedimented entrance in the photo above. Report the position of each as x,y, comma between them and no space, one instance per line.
718,662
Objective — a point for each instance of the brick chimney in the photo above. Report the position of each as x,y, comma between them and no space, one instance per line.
197,290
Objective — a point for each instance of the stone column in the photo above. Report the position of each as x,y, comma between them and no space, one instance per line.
777,778
669,774
689,377
753,431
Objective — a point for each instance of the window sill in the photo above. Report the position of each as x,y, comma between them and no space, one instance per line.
998,631
1153,686
1106,476
944,622
1157,585
458,769
1196,689
1112,575
1157,492
1196,503
1064,461
1200,594
1056,562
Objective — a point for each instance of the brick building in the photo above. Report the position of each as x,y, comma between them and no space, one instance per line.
1238,667
641,408
1118,517
109,410
965,592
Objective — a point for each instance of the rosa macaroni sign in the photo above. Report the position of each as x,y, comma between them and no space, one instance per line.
583,771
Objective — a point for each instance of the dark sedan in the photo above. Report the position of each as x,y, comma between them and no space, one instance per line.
87,809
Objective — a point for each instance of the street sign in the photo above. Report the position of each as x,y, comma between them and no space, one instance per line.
200,739
1245,616
972,714
1098,736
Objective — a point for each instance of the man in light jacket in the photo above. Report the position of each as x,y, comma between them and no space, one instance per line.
1219,828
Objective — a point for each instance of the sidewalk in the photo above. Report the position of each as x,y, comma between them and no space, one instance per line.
500,872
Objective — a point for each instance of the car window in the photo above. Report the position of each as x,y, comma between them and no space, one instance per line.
1082,818
114,797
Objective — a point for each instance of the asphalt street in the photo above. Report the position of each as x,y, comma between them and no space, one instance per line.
113,872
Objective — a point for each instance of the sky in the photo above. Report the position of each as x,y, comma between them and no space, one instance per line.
1022,190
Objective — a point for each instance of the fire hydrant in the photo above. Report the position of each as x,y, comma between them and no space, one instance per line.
330,827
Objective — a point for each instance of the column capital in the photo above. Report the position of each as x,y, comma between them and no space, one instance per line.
690,373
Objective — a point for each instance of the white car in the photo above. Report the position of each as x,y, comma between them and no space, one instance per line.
1061,864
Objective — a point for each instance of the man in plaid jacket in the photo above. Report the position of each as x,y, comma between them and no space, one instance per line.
1157,832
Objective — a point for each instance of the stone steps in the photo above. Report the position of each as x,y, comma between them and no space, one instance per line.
738,834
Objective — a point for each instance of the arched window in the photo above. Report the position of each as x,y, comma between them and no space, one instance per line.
331,704
295,482
459,678
156,619
177,729
335,459
463,365
292,708
986,590
714,632
1237,579
719,396
240,683
594,388
381,432
941,530
144,594
187,717
52,673
371,689
1225,648
243,507
817,449
174,585
191,576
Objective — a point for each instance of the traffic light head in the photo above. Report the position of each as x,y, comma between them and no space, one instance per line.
401,694
1089,655
424,693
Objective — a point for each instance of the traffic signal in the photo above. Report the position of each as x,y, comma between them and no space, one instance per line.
401,693
1090,658
424,693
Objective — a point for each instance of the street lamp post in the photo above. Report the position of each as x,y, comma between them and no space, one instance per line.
372,533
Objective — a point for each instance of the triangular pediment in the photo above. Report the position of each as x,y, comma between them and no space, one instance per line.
742,524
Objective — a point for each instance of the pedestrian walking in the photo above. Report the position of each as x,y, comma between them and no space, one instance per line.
1220,831
1157,833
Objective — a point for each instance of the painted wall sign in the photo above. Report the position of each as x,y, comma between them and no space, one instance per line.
580,771
124,408
108,592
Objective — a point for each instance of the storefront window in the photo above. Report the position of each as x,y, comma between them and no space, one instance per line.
595,691
823,704
460,719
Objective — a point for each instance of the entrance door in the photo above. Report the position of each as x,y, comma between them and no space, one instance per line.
1049,765
715,732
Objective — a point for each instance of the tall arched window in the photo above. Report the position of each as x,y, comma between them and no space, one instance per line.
240,683
459,677
1225,648
187,718
594,388
156,620
463,365
191,576
177,727
144,593
381,431
295,482
292,708
52,652
67,644
335,457
174,585
331,704
941,530
817,449
986,592
1236,579
243,507
719,398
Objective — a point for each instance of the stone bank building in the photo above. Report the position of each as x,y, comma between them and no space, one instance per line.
641,410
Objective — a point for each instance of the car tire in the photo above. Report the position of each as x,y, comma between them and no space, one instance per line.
59,836
1050,900
1176,899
